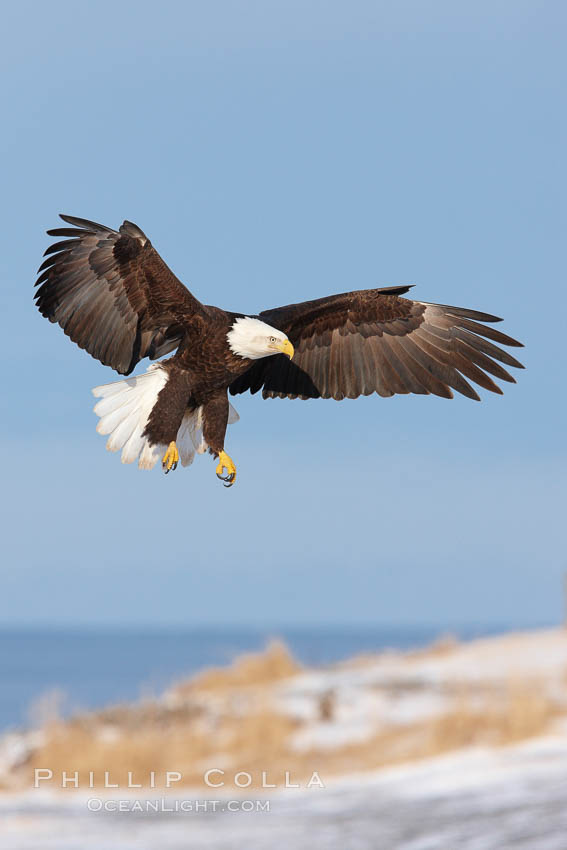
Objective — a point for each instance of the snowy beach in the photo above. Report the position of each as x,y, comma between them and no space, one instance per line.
479,799
454,745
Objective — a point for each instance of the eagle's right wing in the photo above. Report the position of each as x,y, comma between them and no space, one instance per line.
112,293
374,341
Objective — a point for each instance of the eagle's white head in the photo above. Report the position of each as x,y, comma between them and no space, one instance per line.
252,338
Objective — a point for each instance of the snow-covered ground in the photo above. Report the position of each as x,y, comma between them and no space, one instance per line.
504,799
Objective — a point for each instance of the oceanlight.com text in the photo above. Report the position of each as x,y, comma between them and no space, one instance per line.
165,805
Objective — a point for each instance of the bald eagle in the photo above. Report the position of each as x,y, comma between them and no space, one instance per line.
115,297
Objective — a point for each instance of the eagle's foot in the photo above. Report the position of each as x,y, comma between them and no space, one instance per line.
170,458
226,463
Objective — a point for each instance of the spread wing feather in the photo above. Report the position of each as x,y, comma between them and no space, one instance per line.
374,340
112,293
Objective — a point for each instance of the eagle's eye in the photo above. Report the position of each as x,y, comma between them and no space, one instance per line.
272,339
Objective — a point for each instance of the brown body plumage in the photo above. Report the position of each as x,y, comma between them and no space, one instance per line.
114,296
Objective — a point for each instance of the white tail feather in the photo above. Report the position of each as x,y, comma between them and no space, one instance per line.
109,421
124,409
150,455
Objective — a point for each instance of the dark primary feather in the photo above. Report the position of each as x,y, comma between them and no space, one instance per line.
112,293
367,341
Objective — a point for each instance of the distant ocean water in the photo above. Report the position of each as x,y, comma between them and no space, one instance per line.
91,669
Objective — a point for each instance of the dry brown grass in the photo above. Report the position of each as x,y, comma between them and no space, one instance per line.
258,668
518,711
260,740
255,741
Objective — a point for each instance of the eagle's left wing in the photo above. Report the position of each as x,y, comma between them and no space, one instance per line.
367,341
112,293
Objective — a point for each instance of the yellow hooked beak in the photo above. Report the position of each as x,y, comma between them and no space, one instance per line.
285,347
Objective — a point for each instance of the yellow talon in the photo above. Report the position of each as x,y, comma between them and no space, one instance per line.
226,463
170,458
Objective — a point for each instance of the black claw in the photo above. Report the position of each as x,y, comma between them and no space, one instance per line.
165,469
174,465
228,478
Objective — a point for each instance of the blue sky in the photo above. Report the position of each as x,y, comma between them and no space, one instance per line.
275,152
